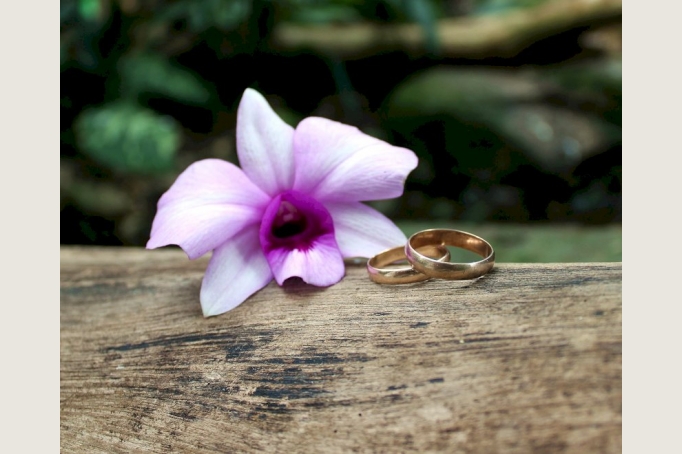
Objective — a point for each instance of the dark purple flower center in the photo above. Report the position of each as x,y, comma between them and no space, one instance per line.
293,220
289,221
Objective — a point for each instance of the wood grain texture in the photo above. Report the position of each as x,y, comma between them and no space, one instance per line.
526,359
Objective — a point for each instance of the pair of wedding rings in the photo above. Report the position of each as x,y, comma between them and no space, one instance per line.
428,257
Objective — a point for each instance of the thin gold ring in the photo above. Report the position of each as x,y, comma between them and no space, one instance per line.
448,270
403,275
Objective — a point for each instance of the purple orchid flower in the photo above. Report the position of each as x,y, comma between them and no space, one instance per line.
293,209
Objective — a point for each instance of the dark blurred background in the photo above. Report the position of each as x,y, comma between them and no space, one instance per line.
513,106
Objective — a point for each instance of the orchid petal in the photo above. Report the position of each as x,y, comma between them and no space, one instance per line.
237,270
264,144
321,264
362,231
209,202
337,162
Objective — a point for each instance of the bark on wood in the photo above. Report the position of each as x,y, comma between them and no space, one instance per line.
502,35
525,359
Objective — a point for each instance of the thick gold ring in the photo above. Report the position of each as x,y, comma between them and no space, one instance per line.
403,275
448,270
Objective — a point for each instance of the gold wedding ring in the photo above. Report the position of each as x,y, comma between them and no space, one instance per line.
403,275
447,270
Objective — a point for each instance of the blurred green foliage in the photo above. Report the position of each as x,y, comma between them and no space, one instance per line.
501,6
511,106
123,136
201,15
149,86
534,243
151,73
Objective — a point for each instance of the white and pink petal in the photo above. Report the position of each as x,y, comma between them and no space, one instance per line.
264,144
362,231
207,204
237,270
337,162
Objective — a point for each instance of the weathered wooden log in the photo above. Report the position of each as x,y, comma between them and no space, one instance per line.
525,359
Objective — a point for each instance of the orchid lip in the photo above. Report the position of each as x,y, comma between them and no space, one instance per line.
293,220
297,238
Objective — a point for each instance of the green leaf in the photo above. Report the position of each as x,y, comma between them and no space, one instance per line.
125,137
151,73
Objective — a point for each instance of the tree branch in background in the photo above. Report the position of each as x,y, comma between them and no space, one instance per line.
501,35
